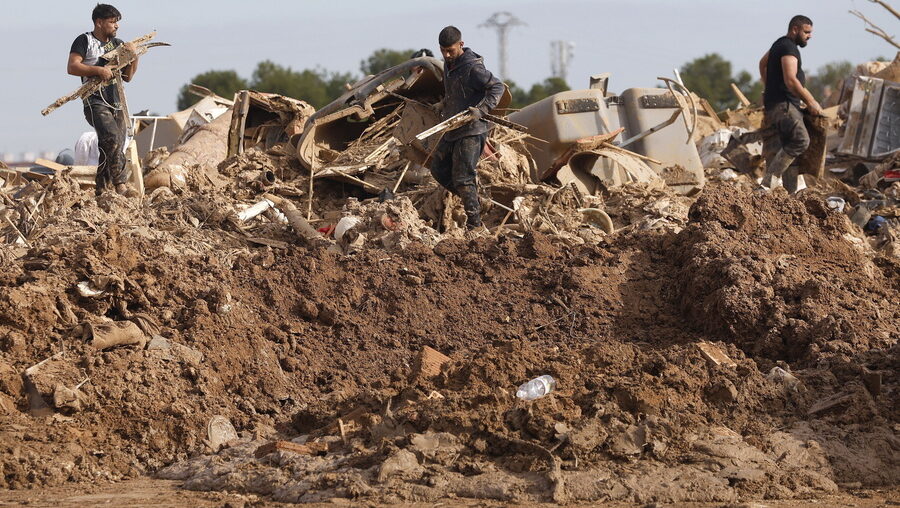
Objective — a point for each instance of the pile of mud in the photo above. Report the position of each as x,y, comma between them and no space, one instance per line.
283,341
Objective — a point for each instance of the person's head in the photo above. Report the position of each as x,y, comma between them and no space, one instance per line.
800,30
106,20
451,43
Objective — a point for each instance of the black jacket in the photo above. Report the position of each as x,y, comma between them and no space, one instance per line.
467,83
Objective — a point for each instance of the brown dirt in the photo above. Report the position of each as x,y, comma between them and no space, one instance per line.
292,339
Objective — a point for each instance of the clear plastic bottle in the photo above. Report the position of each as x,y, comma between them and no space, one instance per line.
536,388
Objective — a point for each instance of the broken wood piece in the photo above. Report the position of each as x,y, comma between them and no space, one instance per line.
635,154
118,59
740,95
715,355
448,124
289,446
337,172
123,101
238,123
296,220
133,163
354,416
402,174
429,362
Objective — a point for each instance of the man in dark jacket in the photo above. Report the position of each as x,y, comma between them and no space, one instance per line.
467,86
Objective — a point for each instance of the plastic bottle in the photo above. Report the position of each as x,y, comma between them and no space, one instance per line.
536,388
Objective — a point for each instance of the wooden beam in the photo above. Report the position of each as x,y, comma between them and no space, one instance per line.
117,59
740,95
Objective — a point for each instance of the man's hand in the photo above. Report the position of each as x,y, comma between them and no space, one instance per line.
104,73
476,113
815,109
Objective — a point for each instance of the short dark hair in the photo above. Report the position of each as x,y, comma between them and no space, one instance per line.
105,11
799,20
449,36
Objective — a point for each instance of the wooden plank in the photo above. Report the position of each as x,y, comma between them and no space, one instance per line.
115,63
133,161
740,95
715,355
289,446
55,166
238,123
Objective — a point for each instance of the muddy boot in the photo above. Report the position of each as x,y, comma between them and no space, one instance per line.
733,143
791,179
124,189
776,167
472,205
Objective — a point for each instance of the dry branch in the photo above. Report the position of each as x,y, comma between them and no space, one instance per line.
875,29
887,6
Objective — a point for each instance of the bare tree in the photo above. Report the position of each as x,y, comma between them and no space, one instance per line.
875,29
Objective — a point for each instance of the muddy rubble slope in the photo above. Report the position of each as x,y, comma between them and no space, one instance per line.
284,342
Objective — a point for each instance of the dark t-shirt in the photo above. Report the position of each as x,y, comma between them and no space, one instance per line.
776,91
91,49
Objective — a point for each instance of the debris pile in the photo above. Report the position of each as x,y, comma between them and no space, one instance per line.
293,310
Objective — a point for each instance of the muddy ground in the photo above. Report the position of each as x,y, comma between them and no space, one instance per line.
283,340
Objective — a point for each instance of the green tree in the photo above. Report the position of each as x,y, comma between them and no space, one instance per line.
336,84
548,87
384,58
827,79
224,83
752,88
710,77
538,91
307,85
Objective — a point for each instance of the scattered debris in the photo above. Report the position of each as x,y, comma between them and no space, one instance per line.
319,327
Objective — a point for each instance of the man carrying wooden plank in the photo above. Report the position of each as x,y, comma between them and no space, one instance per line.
103,109
467,86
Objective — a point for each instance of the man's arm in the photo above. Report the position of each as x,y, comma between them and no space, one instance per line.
493,88
130,69
763,67
77,67
789,69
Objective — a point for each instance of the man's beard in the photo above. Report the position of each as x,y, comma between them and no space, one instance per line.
800,42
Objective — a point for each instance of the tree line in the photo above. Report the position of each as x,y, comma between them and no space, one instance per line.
709,76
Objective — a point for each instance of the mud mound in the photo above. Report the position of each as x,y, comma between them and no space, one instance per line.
785,278
284,341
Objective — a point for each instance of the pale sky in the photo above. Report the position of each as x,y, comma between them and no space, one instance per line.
635,40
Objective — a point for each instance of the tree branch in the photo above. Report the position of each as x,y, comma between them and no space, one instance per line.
887,6
875,29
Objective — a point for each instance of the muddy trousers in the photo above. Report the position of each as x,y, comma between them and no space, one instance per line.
453,166
784,137
110,126
788,141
